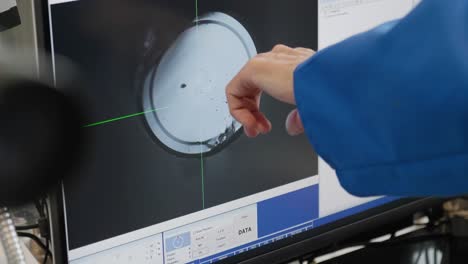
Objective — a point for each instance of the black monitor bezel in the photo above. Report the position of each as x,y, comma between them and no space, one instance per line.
389,215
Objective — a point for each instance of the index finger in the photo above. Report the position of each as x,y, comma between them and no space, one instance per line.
240,111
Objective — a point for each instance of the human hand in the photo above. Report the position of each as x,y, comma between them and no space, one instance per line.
272,73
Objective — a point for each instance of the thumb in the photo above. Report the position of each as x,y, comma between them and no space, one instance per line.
294,125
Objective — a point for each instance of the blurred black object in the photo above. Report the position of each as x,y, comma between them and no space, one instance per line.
40,139
443,240
10,17
432,250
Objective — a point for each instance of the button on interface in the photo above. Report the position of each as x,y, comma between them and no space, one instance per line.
188,85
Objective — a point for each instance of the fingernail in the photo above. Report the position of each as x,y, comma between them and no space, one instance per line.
262,130
294,124
251,133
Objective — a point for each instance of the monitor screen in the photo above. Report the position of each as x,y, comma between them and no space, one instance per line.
168,176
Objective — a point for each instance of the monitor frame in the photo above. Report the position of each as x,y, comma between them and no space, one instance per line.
378,221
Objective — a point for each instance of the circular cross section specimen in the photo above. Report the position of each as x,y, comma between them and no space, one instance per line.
184,96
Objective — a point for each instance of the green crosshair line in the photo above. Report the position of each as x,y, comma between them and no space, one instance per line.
196,11
202,161
202,169
123,117
202,165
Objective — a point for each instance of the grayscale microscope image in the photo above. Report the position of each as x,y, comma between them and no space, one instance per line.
162,143
184,96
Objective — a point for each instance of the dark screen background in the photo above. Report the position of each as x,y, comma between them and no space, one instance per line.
127,180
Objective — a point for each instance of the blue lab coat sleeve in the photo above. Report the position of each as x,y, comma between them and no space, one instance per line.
388,108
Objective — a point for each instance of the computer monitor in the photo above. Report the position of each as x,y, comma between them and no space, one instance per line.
168,176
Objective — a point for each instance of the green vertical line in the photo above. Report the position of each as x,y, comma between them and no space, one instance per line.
202,169
196,11
202,178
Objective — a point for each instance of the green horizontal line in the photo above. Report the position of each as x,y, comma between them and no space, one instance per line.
123,117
